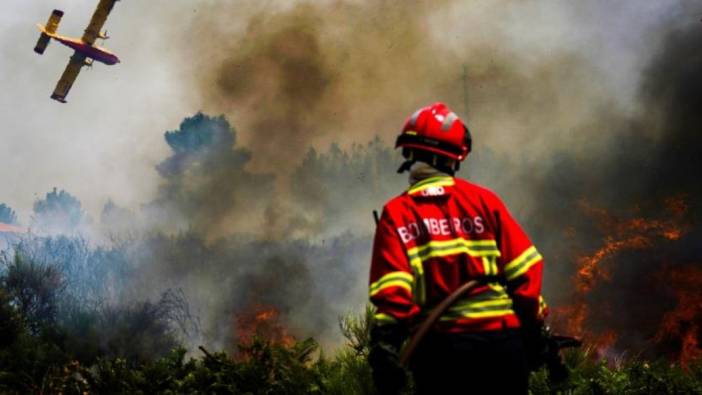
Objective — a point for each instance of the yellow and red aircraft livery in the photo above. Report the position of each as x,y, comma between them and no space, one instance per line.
442,233
85,50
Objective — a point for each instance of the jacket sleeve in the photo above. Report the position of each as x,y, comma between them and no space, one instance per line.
522,266
391,277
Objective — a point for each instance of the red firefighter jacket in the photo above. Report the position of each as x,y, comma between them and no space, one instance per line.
442,233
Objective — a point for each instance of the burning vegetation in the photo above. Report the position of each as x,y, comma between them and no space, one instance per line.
231,255
681,328
264,323
634,237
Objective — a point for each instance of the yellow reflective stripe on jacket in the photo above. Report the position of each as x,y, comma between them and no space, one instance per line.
490,265
493,302
441,181
394,279
431,180
433,249
479,309
420,293
383,319
495,292
522,263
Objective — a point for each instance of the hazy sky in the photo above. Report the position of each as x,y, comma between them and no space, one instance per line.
105,142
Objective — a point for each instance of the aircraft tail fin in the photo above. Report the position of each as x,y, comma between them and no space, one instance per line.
47,31
53,23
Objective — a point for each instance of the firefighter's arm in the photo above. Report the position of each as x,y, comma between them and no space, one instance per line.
522,266
390,289
391,277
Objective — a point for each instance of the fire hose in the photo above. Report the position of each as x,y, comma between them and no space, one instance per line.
548,355
434,316
552,344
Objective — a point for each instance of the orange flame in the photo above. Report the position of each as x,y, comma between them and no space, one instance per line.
684,323
621,235
590,269
262,322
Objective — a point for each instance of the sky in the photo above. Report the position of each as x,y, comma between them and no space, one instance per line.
99,145
105,142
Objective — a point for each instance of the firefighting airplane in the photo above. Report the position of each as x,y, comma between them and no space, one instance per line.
86,52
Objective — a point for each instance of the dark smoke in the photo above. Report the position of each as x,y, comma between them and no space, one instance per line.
278,212
655,157
315,73
672,92
281,73
551,138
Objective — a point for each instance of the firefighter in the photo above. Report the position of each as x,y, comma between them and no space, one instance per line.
440,233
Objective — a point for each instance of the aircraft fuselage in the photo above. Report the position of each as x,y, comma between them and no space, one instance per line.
93,52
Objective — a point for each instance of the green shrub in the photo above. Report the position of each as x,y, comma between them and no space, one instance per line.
133,349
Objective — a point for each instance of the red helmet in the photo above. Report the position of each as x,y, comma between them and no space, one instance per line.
438,130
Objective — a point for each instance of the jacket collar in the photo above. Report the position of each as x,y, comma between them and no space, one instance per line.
426,180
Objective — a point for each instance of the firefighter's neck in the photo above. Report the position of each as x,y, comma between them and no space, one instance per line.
420,171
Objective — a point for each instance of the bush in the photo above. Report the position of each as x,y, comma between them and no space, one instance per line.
51,342
264,367
33,289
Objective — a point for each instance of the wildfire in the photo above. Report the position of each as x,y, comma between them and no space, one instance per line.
263,322
590,268
684,323
634,233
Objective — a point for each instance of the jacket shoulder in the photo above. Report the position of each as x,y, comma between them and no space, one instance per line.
476,190
398,202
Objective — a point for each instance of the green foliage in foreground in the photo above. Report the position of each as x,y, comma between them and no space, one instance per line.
125,350
591,376
38,364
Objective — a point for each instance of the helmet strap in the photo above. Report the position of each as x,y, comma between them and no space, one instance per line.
439,162
406,165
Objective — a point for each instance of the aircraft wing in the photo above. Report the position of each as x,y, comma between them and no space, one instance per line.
69,77
92,32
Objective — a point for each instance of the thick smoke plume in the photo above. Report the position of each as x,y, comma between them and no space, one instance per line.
306,270
557,132
205,180
312,74
649,209
584,122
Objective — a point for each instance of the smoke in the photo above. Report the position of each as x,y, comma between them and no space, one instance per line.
339,72
555,130
314,73
672,92
537,83
206,186
568,103
644,178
